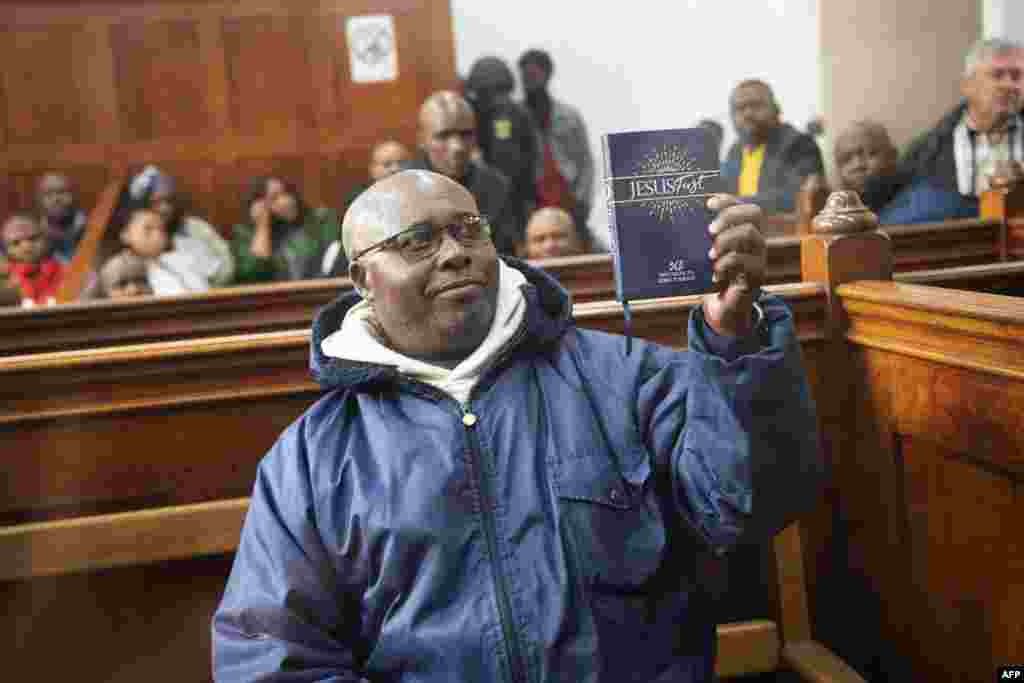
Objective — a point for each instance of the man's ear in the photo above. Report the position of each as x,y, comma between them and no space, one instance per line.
357,274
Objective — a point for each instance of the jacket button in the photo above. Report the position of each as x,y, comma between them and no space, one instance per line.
614,495
469,419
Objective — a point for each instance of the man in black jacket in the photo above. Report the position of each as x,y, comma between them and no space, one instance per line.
771,158
447,136
505,132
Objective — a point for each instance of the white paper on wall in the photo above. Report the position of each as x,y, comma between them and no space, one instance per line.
372,53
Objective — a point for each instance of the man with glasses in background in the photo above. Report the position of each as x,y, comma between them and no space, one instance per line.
487,492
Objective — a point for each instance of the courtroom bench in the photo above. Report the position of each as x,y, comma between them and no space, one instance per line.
186,421
291,305
206,392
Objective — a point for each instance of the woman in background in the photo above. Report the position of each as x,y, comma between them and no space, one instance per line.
155,190
282,238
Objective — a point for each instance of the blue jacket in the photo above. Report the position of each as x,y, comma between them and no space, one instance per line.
393,538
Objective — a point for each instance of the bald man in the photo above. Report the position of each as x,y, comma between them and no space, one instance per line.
551,233
867,162
447,137
487,492
770,160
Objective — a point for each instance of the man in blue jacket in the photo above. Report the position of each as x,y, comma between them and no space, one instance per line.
488,493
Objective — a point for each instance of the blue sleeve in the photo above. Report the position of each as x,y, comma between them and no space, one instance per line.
729,348
738,436
282,617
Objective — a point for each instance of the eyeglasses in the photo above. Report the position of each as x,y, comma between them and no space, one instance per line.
423,240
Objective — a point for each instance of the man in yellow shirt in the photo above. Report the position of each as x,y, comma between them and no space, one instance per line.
771,158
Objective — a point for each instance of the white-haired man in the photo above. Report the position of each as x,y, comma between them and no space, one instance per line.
959,154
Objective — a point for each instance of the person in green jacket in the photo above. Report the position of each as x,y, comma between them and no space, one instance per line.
283,238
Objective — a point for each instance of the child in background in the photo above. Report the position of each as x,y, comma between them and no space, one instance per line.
124,276
31,266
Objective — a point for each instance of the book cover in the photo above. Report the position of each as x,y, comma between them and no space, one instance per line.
657,185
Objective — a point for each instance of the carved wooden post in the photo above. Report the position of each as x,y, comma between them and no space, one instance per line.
810,200
844,245
1005,202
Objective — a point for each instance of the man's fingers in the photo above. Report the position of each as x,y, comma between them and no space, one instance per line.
718,202
737,214
743,271
743,238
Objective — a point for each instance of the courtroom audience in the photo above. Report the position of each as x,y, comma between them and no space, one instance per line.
447,137
60,214
959,154
172,267
771,158
282,238
551,233
123,275
155,190
32,266
568,173
506,135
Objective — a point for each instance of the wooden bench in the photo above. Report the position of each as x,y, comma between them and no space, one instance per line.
927,459
291,305
178,428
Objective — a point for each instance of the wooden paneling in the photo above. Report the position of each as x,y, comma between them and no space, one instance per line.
212,91
271,84
160,78
43,86
148,623
937,431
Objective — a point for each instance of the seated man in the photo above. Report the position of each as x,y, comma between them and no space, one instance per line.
866,162
960,153
551,233
61,217
771,158
447,139
487,492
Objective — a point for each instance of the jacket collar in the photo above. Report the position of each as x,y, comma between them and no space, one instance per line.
548,316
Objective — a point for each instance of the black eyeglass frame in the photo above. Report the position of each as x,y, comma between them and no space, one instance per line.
484,222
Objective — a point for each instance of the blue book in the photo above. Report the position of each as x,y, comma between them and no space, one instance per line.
657,185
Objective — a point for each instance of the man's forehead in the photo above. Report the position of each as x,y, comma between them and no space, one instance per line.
449,117
751,91
401,201
1011,58
54,181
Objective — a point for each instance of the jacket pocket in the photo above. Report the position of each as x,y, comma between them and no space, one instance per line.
615,522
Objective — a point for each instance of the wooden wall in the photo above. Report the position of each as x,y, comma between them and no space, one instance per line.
213,92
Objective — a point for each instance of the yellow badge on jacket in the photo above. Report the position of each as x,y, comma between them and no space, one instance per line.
502,129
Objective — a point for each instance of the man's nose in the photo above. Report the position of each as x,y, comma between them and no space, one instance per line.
452,253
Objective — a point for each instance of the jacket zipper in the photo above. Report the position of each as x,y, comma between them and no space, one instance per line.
515,648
